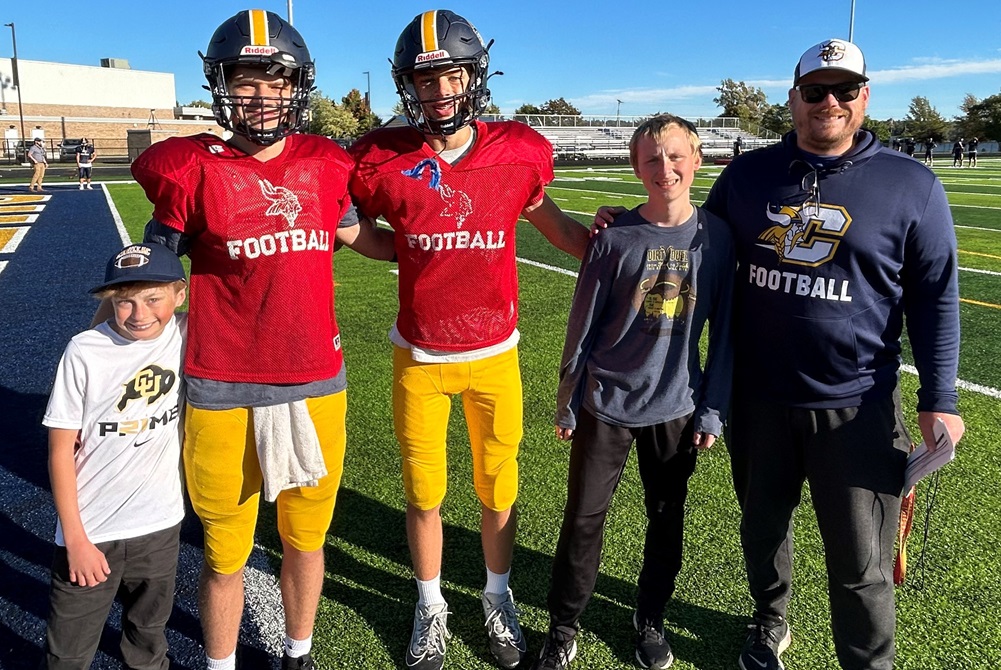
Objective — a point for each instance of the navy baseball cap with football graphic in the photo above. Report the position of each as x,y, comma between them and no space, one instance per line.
142,262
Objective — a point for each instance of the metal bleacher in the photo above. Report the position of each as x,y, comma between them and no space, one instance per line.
587,138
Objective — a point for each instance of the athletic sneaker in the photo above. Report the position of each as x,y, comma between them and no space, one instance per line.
81,187
556,655
652,649
764,644
507,644
304,662
427,642
89,187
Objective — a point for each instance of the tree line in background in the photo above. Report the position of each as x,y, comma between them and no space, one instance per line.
979,118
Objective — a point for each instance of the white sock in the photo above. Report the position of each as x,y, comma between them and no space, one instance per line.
429,591
228,663
298,648
496,583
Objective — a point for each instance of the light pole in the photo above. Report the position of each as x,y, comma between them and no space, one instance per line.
17,84
368,91
290,12
618,105
851,23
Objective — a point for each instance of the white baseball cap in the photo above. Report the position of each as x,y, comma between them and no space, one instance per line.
835,54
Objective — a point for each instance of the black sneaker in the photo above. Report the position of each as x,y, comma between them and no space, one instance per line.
507,644
430,634
652,650
764,644
304,662
556,655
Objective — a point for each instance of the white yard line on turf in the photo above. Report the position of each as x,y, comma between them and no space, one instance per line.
119,224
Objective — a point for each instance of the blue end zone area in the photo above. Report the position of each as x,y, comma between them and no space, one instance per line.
43,303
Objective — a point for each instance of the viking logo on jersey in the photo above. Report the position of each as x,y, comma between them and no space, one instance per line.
152,382
806,235
283,202
458,205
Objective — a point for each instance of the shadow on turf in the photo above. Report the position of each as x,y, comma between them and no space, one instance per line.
709,639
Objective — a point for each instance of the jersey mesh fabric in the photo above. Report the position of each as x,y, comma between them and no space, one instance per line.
262,303
455,227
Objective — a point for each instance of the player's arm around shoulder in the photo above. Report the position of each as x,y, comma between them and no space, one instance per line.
87,564
368,239
563,231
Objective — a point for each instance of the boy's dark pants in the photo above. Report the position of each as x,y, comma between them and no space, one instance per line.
853,459
143,571
598,456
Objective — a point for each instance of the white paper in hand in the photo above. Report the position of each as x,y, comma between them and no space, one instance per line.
923,462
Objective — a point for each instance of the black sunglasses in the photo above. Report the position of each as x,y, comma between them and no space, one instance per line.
814,93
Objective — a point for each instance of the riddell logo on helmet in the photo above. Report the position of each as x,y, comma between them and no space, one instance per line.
257,51
432,55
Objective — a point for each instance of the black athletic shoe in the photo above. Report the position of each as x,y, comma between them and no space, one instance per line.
555,655
429,638
764,644
652,649
304,662
507,644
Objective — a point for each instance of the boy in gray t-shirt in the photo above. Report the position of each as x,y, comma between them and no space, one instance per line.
631,371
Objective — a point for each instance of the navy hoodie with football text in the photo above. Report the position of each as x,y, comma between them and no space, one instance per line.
832,253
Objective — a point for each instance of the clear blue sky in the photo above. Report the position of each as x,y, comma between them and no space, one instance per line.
651,55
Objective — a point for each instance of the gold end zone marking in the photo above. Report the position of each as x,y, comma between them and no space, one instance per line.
20,209
17,218
10,238
22,199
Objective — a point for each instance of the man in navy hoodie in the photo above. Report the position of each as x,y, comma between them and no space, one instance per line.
838,240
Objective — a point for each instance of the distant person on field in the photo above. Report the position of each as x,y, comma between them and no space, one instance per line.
971,152
115,464
929,148
39,161
957,153
631,372
910,146
84,162
738,146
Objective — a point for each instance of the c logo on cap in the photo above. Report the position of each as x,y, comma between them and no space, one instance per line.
832,51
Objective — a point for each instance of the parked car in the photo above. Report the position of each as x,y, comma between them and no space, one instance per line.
67,149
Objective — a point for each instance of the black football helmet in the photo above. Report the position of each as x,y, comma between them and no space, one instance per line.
256,37
437,39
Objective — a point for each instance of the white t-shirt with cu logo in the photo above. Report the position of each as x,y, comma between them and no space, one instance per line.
125,398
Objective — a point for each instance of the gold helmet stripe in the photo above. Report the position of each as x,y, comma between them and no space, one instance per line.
259,28
429,33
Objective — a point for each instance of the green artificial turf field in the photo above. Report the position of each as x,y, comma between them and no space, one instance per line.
947,612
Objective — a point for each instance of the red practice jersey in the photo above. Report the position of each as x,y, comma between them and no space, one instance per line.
455,227
262,298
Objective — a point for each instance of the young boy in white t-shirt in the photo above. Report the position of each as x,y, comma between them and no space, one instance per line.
114,460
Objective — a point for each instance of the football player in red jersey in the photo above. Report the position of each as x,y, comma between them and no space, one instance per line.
259,215
453,187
